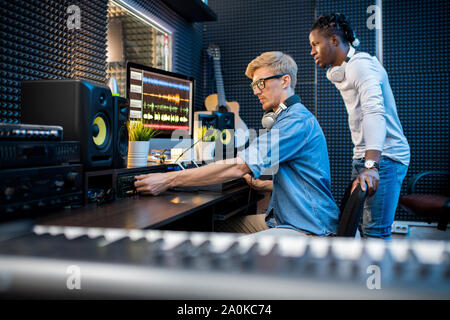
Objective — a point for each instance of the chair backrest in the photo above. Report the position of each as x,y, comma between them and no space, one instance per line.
351,211
438,182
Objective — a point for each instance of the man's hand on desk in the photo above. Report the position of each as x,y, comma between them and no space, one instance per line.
153,183
257,184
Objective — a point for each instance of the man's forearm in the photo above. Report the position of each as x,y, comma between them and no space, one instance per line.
372,155
216,172
260,185
268,186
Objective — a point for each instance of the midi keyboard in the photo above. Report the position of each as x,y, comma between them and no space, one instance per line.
73,262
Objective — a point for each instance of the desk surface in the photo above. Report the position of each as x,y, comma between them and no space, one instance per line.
140,212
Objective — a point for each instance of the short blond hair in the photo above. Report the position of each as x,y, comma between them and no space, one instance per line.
279,62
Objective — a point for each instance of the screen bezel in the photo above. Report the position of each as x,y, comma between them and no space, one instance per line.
166,73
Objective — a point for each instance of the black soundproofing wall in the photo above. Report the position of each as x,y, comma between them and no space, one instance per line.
186,42
415,57
36,43
244,30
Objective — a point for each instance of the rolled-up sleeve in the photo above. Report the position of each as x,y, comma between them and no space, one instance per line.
281,144
363,75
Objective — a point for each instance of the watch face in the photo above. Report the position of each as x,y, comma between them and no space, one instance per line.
369,164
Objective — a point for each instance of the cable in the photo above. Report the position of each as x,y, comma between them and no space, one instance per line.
188,149
249,194
192,146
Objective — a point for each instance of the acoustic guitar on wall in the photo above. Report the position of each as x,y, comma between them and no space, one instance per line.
218,101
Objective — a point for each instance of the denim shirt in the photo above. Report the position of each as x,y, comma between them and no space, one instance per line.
295,152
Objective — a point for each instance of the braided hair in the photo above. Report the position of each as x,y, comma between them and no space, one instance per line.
336,24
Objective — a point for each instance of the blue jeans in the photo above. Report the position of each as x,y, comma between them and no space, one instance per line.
379,209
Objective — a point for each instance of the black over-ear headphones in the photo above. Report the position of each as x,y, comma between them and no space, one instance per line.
270,117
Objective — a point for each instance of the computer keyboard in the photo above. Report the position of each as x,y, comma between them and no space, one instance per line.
119,263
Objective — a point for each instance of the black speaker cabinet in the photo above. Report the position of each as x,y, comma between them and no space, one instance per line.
225,144
225,124
225,120
84,110
120,136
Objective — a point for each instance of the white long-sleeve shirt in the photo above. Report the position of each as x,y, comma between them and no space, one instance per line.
371,108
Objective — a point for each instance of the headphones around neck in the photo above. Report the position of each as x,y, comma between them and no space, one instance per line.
270,117
337,73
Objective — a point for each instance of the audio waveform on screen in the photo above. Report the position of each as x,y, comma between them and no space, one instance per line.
164,117
162,107
166,126
163,83
175,98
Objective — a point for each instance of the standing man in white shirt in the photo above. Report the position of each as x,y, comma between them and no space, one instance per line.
381,152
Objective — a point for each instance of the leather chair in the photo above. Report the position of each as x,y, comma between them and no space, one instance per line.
429,206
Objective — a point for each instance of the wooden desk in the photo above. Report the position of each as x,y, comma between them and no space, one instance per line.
193,211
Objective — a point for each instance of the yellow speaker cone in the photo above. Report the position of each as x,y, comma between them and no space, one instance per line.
100,138
225,136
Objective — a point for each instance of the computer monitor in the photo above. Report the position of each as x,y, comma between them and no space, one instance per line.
162,100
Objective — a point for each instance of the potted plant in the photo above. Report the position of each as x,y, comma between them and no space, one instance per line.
138,143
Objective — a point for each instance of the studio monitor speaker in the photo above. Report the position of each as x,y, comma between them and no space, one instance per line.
120,135
84,110
225,124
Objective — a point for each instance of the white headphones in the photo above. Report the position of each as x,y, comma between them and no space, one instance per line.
270,117
337,73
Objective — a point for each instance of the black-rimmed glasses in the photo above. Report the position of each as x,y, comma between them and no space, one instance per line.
261,83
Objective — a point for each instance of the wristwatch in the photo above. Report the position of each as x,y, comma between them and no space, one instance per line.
370,164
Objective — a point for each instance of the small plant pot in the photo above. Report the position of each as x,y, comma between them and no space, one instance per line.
137,153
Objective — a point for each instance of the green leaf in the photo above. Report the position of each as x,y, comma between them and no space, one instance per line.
138,132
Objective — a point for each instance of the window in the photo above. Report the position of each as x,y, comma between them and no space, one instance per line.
131,36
